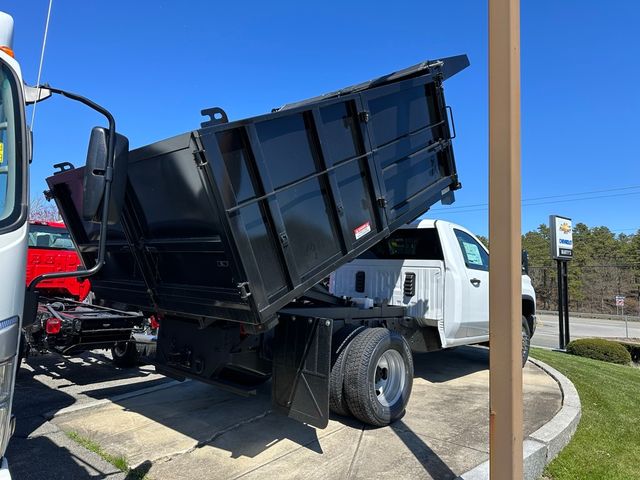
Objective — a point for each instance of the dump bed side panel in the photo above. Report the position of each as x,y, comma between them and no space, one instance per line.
236,220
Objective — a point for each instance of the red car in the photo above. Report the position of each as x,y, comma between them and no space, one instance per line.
51,250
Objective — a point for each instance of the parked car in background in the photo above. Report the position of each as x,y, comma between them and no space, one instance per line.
51,250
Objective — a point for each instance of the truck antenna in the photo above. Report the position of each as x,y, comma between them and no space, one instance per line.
44,44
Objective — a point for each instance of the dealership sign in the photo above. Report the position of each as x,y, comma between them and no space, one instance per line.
561,230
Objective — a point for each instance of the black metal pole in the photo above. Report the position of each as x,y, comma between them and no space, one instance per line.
560,307
565,297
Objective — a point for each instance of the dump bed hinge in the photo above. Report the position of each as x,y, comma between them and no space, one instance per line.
200,157
244,290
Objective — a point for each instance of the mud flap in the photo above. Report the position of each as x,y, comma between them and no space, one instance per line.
301,366
30,310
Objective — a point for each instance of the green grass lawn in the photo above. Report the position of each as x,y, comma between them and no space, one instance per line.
607,442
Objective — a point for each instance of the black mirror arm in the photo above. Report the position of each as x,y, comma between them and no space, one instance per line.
108,175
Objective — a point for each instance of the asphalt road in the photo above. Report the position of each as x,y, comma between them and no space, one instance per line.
546,334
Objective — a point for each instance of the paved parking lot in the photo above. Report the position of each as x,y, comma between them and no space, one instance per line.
194,431
49,383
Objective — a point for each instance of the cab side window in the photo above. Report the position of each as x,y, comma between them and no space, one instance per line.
475,256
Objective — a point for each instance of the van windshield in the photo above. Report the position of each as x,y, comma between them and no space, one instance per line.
407,243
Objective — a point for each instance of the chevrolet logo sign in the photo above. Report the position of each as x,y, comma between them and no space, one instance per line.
565,228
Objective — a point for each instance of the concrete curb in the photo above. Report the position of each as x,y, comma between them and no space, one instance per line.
544,444
115,399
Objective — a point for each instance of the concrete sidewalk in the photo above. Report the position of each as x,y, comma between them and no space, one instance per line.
195,431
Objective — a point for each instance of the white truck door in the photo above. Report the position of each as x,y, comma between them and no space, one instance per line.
475,290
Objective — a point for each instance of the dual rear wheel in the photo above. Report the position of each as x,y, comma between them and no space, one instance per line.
371,376
372,373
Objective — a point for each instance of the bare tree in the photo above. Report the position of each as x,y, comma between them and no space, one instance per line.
41,210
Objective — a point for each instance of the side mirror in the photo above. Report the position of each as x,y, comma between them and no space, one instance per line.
94,176
525,262
35,94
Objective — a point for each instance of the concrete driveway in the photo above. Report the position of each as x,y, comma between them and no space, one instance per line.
195,431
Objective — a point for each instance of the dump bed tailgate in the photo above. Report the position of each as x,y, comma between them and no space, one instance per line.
236,220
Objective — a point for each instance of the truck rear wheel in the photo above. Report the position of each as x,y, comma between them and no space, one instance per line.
124,354
526,341
341,340
378,376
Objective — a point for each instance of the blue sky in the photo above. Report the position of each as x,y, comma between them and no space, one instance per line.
156,64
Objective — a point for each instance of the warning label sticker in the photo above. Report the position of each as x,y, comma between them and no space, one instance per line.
362,230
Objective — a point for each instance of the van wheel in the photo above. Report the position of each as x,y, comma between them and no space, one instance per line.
124,354
340,341
526,341
378,376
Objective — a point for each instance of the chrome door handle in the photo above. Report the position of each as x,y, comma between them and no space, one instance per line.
475,282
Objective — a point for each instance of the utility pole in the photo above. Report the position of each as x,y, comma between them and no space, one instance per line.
505,279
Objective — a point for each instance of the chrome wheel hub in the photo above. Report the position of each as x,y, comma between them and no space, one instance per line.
389,381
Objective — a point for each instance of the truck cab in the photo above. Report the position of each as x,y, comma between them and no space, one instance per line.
439,271
14,156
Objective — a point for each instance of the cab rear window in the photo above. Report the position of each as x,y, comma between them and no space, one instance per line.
407,243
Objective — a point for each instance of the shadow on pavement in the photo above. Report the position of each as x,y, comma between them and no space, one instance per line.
39,458
445,365
31,400
205,414
430,460
193,413
39,390
247,426
84,369
140,471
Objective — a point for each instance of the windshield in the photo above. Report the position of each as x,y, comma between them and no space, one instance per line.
10,171
45,236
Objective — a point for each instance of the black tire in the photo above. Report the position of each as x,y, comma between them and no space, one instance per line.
526,341
364,376
340,342
124,354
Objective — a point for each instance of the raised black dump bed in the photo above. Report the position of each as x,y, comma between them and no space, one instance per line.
237,219
226,231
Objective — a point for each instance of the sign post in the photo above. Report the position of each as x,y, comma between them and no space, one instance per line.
561,229
620,304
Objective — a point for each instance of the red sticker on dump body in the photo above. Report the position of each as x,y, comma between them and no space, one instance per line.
362,230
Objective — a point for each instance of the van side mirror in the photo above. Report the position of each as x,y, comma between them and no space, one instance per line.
35,94
94,176
525,262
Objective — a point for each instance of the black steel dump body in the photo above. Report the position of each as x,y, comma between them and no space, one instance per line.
237,219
